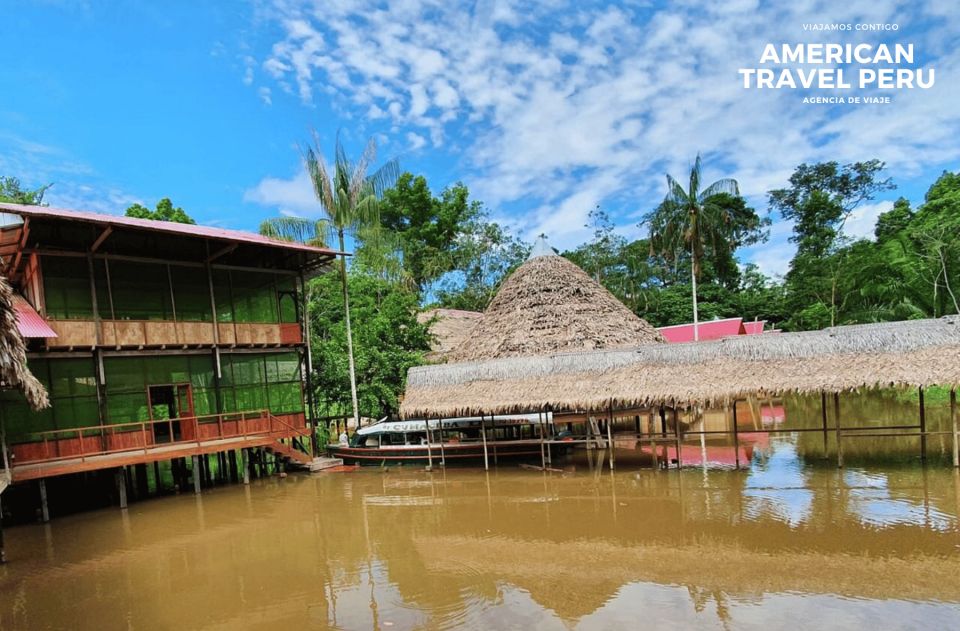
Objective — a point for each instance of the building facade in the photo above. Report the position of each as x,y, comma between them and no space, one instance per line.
152,338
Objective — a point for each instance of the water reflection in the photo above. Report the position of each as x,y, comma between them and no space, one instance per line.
789,539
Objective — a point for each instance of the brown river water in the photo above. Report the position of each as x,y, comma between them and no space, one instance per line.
789,541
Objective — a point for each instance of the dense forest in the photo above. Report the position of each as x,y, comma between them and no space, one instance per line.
415,249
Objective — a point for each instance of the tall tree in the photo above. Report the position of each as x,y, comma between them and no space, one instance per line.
690,218
819,200
12,192
165,211
349,197
427,227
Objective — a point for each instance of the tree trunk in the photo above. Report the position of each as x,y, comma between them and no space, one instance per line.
693,279
346,311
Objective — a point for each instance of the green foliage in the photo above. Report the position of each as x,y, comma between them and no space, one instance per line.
427,227
387,340
165,211
12,192
483,256
818,201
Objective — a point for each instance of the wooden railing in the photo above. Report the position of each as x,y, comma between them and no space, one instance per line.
80,443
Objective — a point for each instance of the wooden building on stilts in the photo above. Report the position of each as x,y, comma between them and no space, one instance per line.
554,341
159,344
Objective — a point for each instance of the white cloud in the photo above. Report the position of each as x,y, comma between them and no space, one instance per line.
416,141
862,221
265,95
293,196
560,110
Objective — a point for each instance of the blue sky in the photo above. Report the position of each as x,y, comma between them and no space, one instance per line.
544,109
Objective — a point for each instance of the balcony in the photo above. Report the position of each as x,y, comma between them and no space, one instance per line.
65,451
168,334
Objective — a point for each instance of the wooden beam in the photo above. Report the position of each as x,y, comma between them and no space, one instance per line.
836,413
24,235
221,252
103,237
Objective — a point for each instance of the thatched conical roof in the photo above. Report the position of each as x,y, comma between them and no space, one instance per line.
549,305
13,354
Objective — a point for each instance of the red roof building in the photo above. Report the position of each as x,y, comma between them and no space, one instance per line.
711,330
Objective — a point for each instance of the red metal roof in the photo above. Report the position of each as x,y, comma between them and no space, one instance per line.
29,322
169,227
710,330
753,328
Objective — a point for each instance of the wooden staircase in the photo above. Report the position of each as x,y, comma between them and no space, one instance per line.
290,453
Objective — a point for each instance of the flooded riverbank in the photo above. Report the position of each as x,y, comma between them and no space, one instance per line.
789,538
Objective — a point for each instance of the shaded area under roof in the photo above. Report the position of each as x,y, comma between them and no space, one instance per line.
892,354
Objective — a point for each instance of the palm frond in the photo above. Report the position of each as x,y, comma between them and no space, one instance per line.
725,185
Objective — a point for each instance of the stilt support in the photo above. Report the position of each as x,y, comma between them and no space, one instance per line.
245,463
923,427
953,421
836,422
122,486
483,434
736,435
44,509
196,474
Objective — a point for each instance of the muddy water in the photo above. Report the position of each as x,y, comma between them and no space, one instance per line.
789,541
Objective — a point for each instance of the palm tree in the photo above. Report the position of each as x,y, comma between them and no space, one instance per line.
689,218
349,198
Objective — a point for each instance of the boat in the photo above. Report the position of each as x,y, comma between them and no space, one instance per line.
465,440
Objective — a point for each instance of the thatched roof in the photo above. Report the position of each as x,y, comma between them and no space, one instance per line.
449,328
895,354
549,305
13,354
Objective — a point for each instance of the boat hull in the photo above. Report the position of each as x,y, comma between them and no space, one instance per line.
452,453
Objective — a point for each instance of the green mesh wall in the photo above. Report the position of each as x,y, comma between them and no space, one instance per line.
141,291
261,381
66,288
254,297
129,377
191,291
73,397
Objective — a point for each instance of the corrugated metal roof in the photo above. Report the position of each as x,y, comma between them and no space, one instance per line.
709,330
29,322
169,227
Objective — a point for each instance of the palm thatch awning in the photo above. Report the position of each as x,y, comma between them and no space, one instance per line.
893,354
13,354
549,305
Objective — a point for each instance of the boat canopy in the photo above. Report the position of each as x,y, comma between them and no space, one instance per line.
420,425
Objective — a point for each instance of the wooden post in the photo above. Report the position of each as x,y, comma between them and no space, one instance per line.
610,433
122,486
443,455
196,474
483,434
823,417
676,431
426,422
836,421
156,477
736,435
543,455
493,426
923,428
245,463
3,549
44,509
953,420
